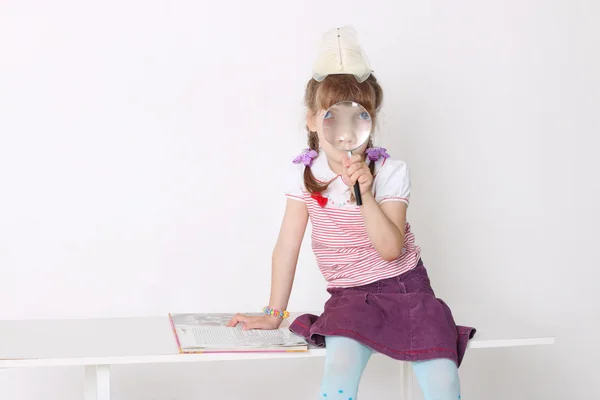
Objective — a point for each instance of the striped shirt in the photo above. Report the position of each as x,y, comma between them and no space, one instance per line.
340,242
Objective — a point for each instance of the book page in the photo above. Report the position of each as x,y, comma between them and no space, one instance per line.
208,331
236,337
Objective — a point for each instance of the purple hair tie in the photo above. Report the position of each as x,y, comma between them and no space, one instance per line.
306,157
375,153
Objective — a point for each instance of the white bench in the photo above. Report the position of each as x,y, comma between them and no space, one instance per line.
96,344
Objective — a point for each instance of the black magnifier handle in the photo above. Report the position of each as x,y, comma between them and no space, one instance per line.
357,194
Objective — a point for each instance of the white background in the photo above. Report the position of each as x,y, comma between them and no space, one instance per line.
142,150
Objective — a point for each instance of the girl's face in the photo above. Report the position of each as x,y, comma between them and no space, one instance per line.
345,127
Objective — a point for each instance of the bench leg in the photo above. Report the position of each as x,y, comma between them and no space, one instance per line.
407,381
97,382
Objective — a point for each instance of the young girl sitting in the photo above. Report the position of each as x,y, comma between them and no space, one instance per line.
381,297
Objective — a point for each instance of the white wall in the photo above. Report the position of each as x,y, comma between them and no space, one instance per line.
141,154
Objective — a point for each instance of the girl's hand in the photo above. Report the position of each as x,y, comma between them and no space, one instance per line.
356,170
266,322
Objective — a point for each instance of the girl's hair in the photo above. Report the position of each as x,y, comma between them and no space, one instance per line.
333,89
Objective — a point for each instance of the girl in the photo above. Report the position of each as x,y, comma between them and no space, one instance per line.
381,298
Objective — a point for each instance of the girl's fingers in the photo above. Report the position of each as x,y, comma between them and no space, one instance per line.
361,176
352,160
354,167
362,169
363,179
237,318
356,158
347,161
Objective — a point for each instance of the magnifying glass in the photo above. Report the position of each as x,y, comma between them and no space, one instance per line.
347,125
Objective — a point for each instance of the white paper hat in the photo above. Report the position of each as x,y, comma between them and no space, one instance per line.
340,53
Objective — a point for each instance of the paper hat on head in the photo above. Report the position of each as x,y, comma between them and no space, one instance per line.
340,53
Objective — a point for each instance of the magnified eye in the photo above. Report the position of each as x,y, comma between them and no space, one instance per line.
328,115
364,116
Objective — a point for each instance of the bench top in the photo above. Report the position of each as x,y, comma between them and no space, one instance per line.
142,340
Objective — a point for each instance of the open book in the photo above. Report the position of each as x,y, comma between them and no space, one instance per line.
208,333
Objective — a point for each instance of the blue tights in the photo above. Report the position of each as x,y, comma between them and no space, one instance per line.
346,360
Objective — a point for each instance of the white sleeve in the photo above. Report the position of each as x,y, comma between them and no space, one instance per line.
294,182
392,182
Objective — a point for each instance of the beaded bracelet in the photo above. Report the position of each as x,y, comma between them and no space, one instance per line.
275,313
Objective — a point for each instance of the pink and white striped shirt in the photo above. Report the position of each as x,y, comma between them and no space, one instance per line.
340,242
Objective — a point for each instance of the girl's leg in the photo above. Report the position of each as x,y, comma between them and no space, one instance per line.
345,361
438,379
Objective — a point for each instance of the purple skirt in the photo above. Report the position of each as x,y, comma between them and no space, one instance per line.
399,317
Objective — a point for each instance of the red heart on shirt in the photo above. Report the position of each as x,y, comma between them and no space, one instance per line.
320,199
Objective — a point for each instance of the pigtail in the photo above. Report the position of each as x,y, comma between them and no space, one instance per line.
371,164
310,182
